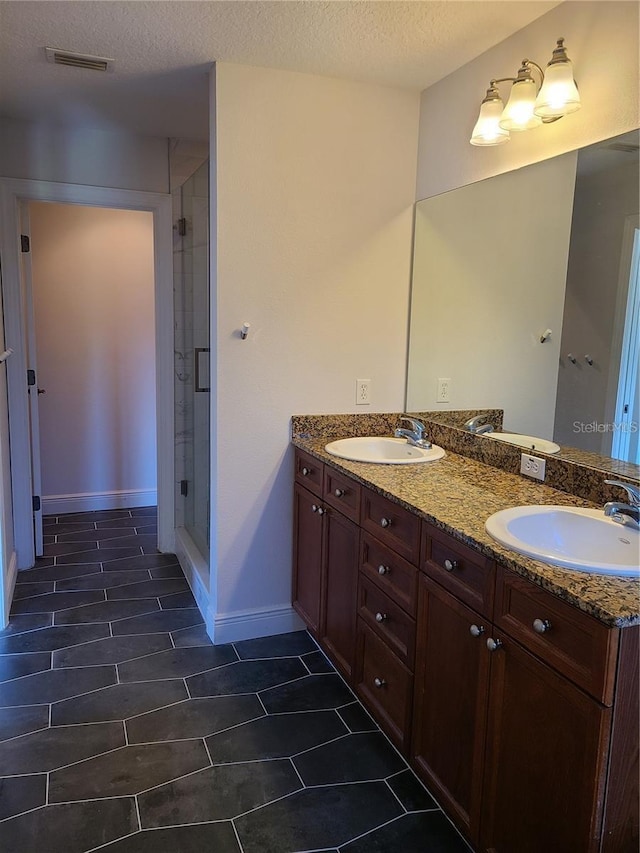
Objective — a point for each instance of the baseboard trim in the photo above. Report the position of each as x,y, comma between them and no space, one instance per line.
10,578
249,624
196,571
92,501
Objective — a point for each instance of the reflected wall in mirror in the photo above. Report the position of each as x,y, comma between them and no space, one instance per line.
497,264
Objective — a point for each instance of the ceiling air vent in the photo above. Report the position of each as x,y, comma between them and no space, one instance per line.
78,60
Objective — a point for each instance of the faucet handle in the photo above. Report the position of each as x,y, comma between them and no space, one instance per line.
418,427
632,491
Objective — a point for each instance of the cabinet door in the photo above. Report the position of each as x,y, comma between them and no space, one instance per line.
307,557
450,703
546,748
341,541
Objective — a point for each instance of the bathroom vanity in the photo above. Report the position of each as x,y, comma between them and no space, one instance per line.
510,686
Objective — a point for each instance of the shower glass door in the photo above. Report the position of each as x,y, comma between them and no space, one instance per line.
192,385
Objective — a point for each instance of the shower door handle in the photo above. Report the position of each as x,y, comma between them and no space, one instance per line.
201,372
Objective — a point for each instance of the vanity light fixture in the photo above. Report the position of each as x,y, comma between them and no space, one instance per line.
528,106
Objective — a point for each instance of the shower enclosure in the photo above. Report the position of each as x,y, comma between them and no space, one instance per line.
191,344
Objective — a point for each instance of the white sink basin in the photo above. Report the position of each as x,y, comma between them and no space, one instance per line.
583,539
382,450
531,442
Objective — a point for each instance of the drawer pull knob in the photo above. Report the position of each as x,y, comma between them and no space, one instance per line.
541,626
450,565
476,630
493,645
314,508
385,522
383,570
379,682
339,493
306,472
381,617
321,511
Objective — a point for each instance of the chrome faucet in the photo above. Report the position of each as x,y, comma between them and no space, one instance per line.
624,513
476,426
416,435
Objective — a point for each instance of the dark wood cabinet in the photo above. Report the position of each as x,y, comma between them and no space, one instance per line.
325,563
340,573
450,705
307,558
385,685
547,746
522,713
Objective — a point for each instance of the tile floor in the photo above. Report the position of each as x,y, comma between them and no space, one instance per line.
123,729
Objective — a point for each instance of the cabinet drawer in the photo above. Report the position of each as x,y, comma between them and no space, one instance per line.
574,643
387,619
385,685
342,493
308,472
392,524
459,569
397,577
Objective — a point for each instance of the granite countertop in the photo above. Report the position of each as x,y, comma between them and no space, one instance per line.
458,494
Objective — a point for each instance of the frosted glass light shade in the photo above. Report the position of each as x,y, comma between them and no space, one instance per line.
559,94
487,130
518,114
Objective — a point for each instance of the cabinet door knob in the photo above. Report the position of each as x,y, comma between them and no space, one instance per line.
385,522
541,626
450,565
379,682
314,508
492,644
383,570
306,472
476,630
339,493
381,617
321,511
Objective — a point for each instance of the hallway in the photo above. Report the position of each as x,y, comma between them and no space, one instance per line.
123,729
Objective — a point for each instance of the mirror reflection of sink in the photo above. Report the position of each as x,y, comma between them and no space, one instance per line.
382,450
571,537
531,442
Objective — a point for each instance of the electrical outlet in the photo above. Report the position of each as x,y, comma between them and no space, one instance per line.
443,394
532,466
363,392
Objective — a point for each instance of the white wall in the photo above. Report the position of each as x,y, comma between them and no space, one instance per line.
83,156
489,273
93,285
315,185
602,42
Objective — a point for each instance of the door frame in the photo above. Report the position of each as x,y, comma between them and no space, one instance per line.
12,192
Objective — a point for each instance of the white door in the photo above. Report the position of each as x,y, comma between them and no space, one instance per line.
32,376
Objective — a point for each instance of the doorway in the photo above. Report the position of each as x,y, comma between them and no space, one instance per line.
91,345
14,193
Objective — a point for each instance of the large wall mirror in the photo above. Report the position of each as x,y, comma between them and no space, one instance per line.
526,297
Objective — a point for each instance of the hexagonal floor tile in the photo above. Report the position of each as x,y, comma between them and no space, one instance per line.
176,663
356,758
217,793
194,718
48,749
306,694
280,736
118,702
318,817
127,771
246,677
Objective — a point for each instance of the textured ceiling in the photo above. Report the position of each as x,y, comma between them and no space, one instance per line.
163,49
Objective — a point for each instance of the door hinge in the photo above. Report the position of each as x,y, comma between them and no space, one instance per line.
184,488
31,377
25,243
182,227
37,503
